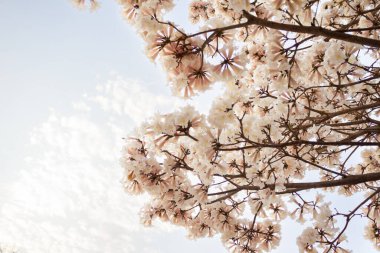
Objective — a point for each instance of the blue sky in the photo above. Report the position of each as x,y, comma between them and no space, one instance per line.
73,83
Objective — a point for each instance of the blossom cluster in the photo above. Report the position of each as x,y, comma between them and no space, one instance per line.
301,97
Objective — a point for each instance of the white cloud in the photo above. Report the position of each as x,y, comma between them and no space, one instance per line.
69,198
131,98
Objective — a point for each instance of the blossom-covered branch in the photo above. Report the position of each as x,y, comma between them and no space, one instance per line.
301,99
315,30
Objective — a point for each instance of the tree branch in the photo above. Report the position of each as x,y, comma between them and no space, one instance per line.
349,180
318,31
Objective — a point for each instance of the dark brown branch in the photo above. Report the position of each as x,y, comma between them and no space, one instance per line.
349,180
319,31
350,216
302,142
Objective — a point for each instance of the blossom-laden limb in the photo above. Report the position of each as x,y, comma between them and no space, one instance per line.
301,99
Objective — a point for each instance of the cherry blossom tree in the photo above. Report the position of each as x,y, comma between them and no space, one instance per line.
299,111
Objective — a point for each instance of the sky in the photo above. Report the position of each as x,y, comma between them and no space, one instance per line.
73,84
